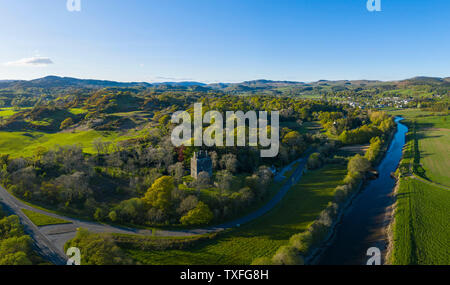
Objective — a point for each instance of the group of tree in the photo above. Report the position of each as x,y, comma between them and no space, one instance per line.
15,245
97,249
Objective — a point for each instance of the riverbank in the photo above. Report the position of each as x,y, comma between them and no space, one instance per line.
389,232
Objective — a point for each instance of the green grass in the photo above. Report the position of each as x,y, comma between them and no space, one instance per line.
421,230
9,111
410,113
265,235
25,143
433,139
77,111
421,227
435,154
43,220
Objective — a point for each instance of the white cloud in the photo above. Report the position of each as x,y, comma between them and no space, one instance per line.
173,79
31,61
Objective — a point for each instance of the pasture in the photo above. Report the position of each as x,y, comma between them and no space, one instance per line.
24,144
435,154
433,139
421,229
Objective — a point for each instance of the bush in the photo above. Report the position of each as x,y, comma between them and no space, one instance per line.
200,215
358,164
66,123
302,242
288,255
97,249
318,231
314,161
341,193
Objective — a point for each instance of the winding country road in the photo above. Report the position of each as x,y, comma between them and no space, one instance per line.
49,240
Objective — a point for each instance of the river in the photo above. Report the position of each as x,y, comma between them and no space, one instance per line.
363,223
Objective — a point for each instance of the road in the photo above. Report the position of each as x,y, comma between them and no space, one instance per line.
294,179
49,240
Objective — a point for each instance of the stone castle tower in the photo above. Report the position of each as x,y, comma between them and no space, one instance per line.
201,162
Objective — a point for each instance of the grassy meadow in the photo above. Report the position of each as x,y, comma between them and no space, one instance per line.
434,147
25,143
421,229
433,139
43,220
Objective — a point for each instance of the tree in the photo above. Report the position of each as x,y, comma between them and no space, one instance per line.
314,161
177,171
100,214
358,164
75,187
10,227
17,258
292,138
131,210
224,179
112,216
187,204
229,162
15,244
200,215
374,149
66,123
159,194
40,151
101,146
97,249
288,255
302,242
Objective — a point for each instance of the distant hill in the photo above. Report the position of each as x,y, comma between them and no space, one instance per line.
60,85
64,82
424,80
183,83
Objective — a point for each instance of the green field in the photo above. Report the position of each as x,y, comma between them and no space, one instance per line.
433,138
43,220
25,143
9,111
77,111
434,147
422,229
265,235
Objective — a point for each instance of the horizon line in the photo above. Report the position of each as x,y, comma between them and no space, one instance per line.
228,82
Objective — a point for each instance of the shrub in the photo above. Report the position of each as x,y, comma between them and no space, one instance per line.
288,255
302,242
341,193
66,123
318,231
200,215
97,249
358,164
314,161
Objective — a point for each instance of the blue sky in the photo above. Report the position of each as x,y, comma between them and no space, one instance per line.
224,40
